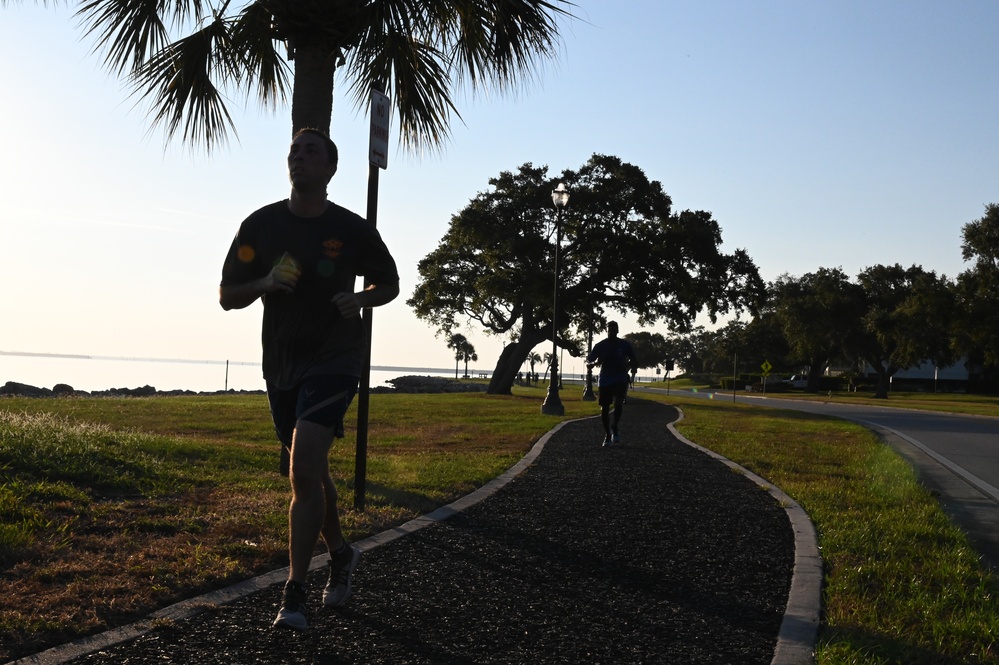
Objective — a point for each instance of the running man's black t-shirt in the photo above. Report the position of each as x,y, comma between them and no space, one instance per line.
303,332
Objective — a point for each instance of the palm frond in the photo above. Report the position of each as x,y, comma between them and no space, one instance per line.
418,80
398,50
253,35
179,81
130,31
127,30
496,41
421,50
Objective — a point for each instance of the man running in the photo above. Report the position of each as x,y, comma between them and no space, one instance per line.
617,360
301,257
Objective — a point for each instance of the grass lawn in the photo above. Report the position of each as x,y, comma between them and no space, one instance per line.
113,507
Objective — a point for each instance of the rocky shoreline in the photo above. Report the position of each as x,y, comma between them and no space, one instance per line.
401,384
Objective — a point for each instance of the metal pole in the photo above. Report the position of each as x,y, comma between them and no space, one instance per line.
363,391
561,361
378,140
588,395
735,373
553,403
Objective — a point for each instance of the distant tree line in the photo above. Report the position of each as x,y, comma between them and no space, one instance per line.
889,318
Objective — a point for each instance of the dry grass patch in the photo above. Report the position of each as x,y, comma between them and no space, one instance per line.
116,560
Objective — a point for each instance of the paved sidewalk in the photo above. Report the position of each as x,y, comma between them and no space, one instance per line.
649,551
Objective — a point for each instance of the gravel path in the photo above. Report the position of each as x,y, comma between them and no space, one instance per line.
644,552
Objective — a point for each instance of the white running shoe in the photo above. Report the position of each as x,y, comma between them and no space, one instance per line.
341,570
292,612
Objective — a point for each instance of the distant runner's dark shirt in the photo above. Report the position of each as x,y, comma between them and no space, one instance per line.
616,357
303,332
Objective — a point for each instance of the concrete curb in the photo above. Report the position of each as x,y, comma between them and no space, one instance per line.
799,629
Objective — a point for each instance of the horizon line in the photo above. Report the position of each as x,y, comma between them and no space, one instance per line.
81,356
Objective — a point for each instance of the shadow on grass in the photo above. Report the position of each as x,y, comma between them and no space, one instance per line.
851,644
375,493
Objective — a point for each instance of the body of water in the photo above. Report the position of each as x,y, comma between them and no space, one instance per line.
97,373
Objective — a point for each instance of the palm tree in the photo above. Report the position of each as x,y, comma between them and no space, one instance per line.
417,51
534,359
455,342
468,353
463,350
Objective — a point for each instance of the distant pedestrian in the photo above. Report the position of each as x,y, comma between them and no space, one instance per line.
301,257
616,357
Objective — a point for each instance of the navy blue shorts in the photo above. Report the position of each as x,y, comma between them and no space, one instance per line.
322,400
615,392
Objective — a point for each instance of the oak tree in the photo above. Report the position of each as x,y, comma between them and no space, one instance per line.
494,268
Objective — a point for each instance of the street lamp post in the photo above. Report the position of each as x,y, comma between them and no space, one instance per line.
588,395
552,405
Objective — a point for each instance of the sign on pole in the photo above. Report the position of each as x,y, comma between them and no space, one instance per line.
378,145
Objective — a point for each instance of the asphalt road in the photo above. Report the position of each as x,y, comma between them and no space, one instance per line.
955,456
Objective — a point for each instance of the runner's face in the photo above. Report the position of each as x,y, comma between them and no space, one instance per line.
308,165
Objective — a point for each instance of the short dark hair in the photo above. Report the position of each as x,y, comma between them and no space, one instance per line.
332,154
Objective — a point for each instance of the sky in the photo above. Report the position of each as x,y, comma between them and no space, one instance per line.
819,134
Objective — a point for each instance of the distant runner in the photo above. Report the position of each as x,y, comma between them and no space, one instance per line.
617,361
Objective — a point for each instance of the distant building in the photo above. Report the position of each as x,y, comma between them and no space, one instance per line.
927,374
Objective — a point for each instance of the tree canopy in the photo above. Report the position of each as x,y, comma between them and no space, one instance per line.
980,240
891,318
183,57
819,313
898,328
977,290
650,348
494,267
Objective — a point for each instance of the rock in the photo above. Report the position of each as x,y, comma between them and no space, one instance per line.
144,391
433,384
24,390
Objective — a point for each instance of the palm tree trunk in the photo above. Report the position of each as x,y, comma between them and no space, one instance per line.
312,97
